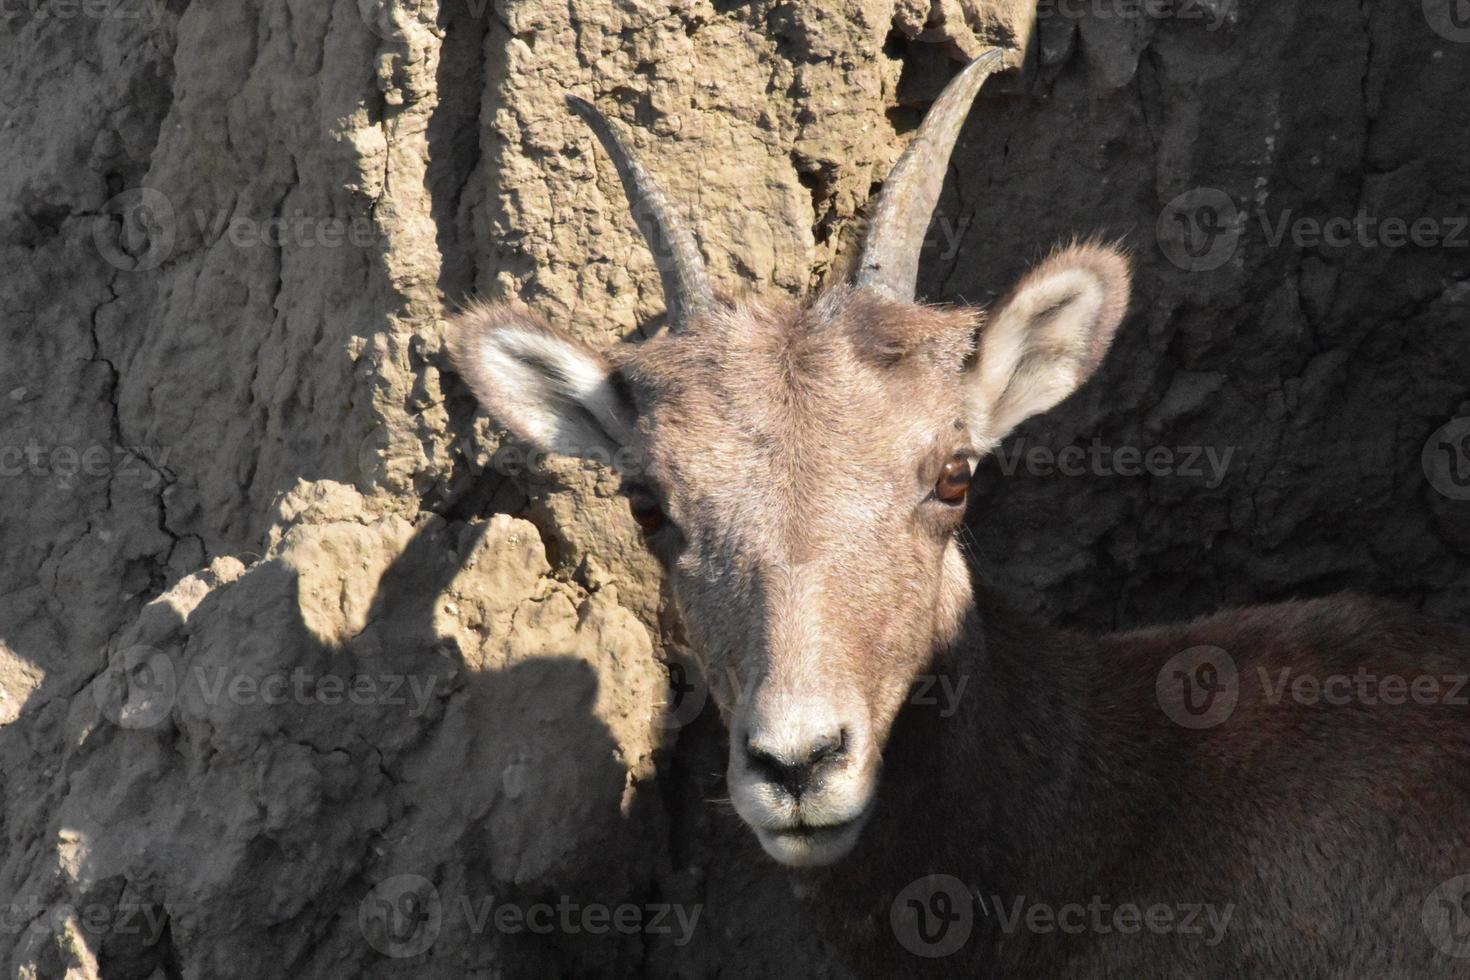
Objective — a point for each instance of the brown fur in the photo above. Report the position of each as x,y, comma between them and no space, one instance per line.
793,447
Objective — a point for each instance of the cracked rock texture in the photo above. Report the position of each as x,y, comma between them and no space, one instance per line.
304,671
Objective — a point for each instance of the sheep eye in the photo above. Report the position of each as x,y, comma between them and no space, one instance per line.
954,481
645,510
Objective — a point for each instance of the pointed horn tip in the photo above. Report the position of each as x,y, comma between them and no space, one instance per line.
579,105
888,262
996,59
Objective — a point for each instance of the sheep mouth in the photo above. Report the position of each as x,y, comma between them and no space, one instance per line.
815,832
805,845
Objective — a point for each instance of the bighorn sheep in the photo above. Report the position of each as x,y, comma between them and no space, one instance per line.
801,469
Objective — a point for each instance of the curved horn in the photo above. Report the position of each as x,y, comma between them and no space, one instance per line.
687,290
890,257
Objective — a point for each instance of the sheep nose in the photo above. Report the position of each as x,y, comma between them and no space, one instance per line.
794,768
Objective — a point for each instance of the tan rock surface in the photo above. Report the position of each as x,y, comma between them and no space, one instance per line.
301,668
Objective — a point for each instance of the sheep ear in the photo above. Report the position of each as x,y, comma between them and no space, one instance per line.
545,386
1047,337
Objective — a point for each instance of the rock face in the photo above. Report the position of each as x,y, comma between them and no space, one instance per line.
303,672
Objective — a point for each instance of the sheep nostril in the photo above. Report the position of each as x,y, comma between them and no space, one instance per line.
794,770
827,747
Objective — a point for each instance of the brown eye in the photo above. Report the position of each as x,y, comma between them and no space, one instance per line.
954,481
646,511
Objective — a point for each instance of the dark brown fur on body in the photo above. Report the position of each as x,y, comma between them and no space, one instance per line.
802,469
1324,828
788,444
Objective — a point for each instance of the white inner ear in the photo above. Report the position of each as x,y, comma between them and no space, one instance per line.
1035,352
552,392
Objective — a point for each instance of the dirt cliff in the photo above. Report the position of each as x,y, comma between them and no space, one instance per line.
305,671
